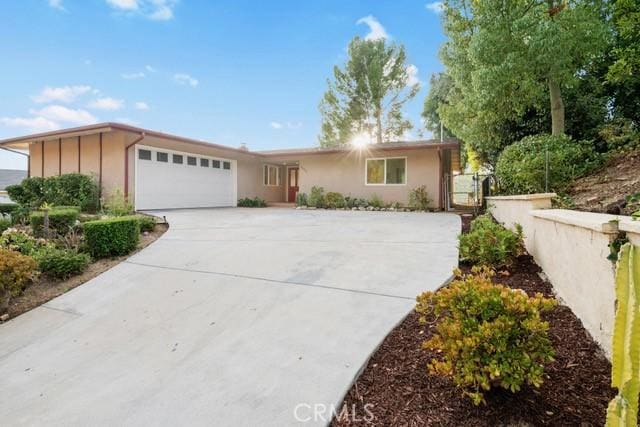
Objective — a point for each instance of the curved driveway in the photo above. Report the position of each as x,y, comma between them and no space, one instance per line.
234,317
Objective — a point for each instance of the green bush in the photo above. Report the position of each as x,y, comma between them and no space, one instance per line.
335,200
147,223
20,241
487,335
419,198
620,135
375,201
16,271
521,166
489,243
60,220
316,198
8,208
116,204
5,223
61,263
355,202
65,190
112,236
248,202
301,199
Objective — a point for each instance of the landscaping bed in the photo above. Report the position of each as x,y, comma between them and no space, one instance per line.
46,288
398,385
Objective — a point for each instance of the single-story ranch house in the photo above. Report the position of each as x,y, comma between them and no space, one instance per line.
156,170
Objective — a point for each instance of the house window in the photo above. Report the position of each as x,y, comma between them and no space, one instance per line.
226,165
178,159
204,163
389,171
162,157
192,161
215,164
144,154
271,176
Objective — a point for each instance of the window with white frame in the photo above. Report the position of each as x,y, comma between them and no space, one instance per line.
271,175
386,171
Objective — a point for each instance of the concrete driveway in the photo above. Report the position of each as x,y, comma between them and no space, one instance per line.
234,317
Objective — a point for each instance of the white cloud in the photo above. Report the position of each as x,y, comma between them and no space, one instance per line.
412,75
32,124
60,113
124,4
106,103
150,69
126,121
157,10
60,94
377,31
132,76
276,125
140,105
185,79
435,7
56,4
288,125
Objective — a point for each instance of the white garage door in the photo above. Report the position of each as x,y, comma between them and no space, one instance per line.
166,179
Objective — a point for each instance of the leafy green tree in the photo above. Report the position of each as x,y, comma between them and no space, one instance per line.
506,57
367,94
440,85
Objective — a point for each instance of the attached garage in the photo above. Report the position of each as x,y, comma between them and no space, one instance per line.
166,179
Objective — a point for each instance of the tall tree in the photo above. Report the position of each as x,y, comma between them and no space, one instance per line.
439,87
367,94
506,56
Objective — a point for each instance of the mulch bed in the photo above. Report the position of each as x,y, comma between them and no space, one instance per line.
396,381
45,289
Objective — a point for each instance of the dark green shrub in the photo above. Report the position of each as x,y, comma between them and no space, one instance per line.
419,198
301,199
355,202
60,220
61,263
521,166
248,202
71,189
487,335
29,193
16,271
489,243
112,236
5,222
8,208
147,223
316,197
375,201
620,135
335,200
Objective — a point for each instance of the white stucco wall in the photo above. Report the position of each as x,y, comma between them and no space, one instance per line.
571,247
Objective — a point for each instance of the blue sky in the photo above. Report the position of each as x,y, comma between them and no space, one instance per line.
229,72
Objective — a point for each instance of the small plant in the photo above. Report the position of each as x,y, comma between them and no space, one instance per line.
16,272
19,240
61,263
316,198
60,220
256,202
375,201
116,204
335,200
487,335
147,223
489,243
419,198
625,351
112,236
563,201
633,202
301,199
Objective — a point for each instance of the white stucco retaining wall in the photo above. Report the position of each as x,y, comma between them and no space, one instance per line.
572,248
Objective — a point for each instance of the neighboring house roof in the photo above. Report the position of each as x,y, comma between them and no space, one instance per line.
10,177
22,142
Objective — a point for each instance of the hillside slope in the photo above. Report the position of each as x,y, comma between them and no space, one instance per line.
605,190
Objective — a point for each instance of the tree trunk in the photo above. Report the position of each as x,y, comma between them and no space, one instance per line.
379,126
557,108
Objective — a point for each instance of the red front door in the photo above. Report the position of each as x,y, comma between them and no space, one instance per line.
292,184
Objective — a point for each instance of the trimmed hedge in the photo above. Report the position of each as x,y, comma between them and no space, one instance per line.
61,263
72,189
60,220
8,208
112,236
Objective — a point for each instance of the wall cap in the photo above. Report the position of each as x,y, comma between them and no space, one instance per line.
536,196
628,225
602,223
